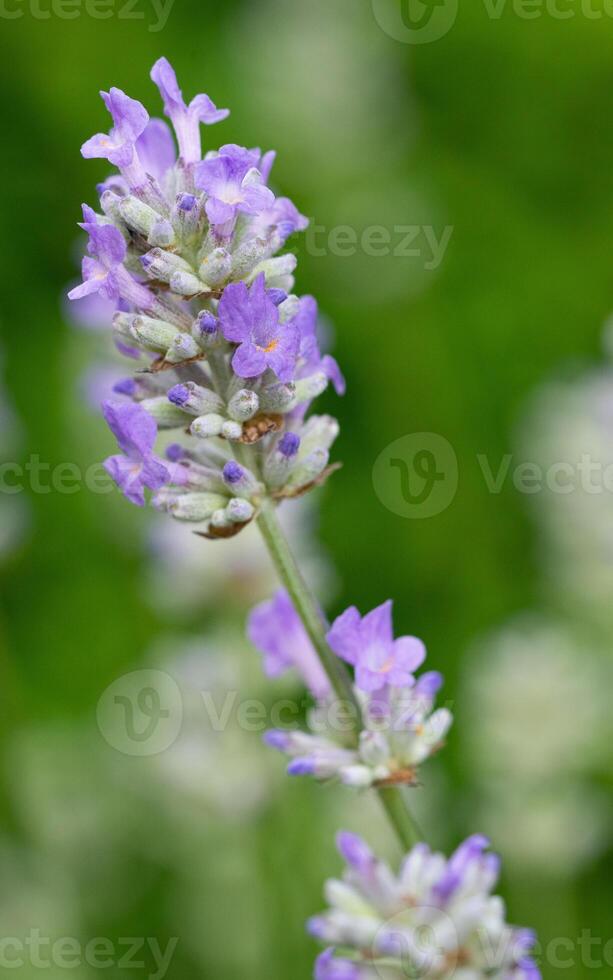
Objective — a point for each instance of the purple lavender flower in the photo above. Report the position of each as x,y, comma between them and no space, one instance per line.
275,628
156,149
103,270
186,119
331,967
310,358
118,147
233,184
283,216
249,318
427,920
135,431
368,644
107,250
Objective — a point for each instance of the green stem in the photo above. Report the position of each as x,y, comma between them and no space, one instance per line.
304,602
403,821
392,798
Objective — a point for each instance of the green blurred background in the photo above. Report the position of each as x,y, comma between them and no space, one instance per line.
501,130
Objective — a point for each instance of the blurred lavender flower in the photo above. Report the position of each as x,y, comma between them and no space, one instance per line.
275,629
437,918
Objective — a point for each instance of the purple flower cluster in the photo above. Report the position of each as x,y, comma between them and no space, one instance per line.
400,729
436,918
183,255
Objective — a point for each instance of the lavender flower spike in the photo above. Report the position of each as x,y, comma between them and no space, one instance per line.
135,431
368,644
186,119
275,629
436,918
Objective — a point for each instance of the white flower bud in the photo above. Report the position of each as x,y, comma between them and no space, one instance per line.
206,426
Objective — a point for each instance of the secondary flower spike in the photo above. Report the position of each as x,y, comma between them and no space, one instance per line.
185,250
436,918
400,729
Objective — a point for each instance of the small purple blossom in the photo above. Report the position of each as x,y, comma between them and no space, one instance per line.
310,358
276,630
330,967
233,184
186,119
156,149
368,644
138,467
107,250
283,216
119,147
250,319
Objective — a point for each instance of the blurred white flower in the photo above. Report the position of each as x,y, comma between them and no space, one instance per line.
537,727
569,432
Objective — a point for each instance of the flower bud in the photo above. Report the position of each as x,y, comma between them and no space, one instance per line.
166,415
309,388
143,219
278,272
110,202
163,265
231,430
278,398
289,309
150,334
194,507
183,348
308,468
186,217
187,284
318,432
194,399
207,425
216,267
281,460
239,481
239,511
243,405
